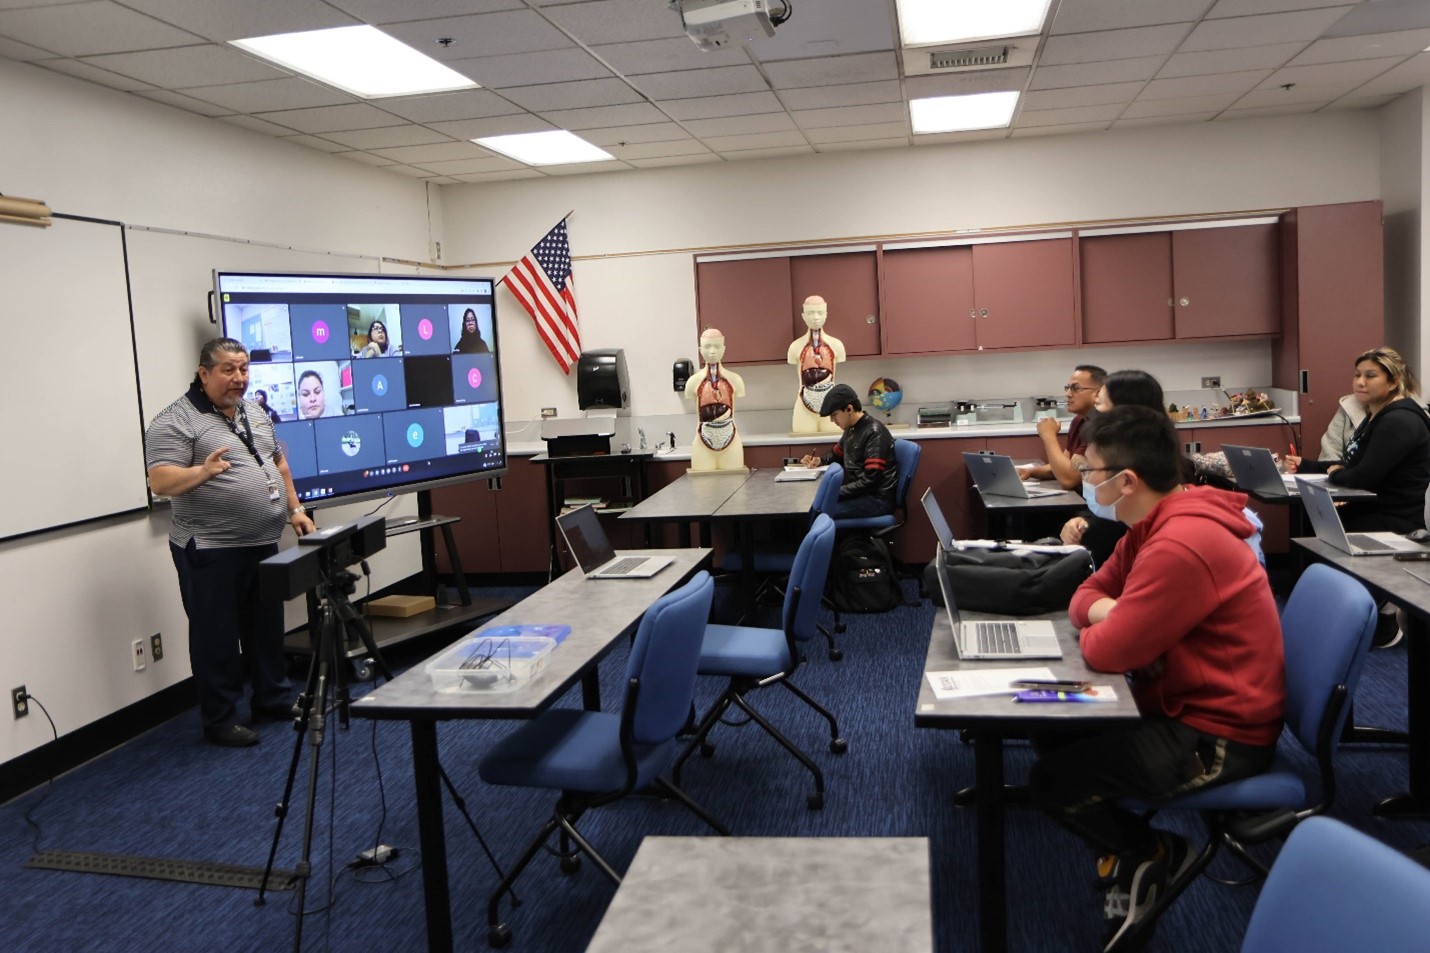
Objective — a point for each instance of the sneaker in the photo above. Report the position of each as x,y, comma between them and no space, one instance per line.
1129,901
231,736
1176,855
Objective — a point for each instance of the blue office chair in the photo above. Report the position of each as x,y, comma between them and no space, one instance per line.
906,453
1326,627
594,758
1333,888
752,657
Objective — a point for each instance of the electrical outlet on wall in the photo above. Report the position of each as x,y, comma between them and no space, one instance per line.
548,411
139,655
20,701
156,645
1211,383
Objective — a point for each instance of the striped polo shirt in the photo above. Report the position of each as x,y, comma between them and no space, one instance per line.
233,508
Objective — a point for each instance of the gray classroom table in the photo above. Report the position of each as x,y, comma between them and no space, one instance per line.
599,611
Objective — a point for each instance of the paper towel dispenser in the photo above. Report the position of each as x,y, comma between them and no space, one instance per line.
601,380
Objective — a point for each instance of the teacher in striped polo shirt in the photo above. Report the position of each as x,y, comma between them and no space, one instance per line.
216,456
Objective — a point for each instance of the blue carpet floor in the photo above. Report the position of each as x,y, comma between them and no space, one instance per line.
167,794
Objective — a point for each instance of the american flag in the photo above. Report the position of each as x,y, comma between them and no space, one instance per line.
541,282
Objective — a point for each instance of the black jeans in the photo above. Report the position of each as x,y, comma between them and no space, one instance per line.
1079,778
861,506
234,636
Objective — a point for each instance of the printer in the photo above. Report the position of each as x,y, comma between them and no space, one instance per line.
578,437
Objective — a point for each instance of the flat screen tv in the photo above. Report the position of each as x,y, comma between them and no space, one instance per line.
380,383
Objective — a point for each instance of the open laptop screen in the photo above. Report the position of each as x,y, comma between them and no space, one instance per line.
586,539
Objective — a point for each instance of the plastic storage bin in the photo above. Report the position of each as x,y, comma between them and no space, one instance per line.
499,659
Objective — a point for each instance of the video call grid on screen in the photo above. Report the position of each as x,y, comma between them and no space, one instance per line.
377,382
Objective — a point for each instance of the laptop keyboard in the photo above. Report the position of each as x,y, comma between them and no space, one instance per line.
1001,637
1362,541
623,565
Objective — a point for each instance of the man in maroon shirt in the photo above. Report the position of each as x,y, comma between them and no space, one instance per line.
1081,388
1184,609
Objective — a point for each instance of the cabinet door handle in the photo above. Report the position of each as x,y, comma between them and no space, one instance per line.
1186,301
1170,302
868,319
1305,381
983,313
973,312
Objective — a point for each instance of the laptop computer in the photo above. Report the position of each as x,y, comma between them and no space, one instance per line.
995,475
1327,523
1003,639
1255,470
591,547
936,519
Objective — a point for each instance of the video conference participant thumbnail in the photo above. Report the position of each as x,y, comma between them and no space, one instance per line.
275,383
425,329
262,328
471,428
471,328
349,443
474,378
379,385
413,435
319,389
428,381
319,332
374,330
299,448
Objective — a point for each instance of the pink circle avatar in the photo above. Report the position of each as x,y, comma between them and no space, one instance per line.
320,332
474,378
424,329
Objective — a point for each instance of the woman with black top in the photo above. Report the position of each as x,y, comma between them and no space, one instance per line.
471,341
1389,453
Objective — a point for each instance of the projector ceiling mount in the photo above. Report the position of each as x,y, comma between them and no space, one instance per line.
712,24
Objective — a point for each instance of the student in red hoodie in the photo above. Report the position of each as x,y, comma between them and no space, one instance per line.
1184,609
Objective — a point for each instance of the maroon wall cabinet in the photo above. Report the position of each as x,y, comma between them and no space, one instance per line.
1024,293
1126,287
849,284
928,300
1226,281
748,299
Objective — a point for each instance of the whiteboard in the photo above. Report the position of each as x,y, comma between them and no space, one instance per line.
70,419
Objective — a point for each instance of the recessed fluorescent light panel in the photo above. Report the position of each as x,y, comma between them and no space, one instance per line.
558,147
962,113
359,59
940,21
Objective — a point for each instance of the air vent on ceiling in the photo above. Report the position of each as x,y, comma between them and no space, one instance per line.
962,59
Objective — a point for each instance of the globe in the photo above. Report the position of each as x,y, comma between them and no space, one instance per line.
885,394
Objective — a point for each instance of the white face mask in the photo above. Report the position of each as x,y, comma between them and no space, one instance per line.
1089,493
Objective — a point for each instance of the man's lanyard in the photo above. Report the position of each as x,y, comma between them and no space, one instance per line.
201,400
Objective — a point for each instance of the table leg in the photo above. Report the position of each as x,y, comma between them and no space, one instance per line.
1417,658
745,532
432,836
989,807
682,534
591,689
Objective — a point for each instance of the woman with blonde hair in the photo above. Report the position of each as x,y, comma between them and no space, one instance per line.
1389,452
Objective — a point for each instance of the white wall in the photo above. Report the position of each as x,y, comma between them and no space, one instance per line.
634,233
1403,134
74,600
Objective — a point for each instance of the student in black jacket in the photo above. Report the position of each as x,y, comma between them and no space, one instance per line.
866,451
1389,453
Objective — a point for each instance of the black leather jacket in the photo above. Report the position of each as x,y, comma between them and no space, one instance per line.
866,451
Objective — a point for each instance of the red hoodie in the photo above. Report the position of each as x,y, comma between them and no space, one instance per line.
1194,622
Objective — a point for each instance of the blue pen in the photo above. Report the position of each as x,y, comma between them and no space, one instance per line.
1044,695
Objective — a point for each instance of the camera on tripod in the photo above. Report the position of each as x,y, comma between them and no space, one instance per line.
320,556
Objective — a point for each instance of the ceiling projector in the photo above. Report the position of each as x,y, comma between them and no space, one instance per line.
712,24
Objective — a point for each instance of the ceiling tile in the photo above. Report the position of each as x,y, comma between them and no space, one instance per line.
833,70
485,34
460,166
712,107
529,69
659,161
1094,74
740,125
1383,16
667,56
257,125
386,11
1287,110
882,131
1023,132
959,84
1058,117
618,21
855,144
584,168
1091,15
331,118
849,94
83,29
653,150
1373,46
365,158
1229,61
1243,8
737,155
443,107
1265,30
592,92
1081,96
1355,71
763,140
1203,85
1178,119
82,70
1146,108
598,117
22,52
1403,78
188,103
410,171
388,136
435,180
705,82
1319,95
647,132
188,66
492,126
500,176
945,138
1360,102
839,27
313,142
849,115
1113,44
439,152
224,20
270,94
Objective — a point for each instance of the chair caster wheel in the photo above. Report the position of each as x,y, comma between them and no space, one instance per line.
707,750
836,654
839,746
498,936
816,801
569,865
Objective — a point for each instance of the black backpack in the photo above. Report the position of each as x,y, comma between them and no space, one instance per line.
861,577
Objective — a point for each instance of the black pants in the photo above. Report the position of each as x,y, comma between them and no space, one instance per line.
234,636
859,507
1079,778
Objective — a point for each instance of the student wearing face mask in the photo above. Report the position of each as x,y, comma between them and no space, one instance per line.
1099,529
